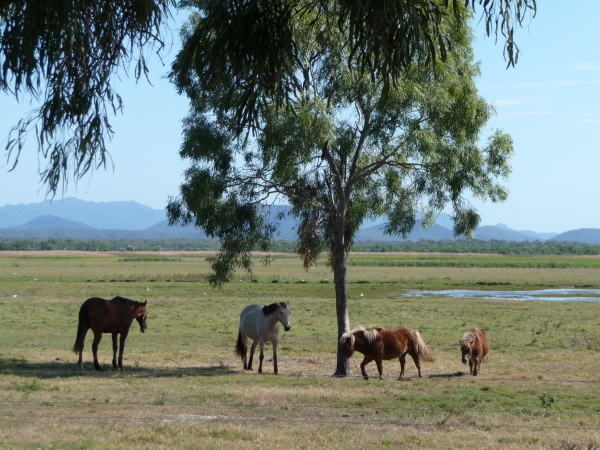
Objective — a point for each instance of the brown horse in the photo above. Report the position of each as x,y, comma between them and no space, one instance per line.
378,344
474,346
108,316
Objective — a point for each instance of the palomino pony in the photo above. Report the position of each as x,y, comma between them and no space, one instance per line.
378,344
474,346
261,324
108,316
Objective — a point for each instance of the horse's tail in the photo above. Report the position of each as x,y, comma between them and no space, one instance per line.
82,328
239,347
424,352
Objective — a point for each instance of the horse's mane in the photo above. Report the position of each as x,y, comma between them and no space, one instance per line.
469,336
370,334
270,309
118,298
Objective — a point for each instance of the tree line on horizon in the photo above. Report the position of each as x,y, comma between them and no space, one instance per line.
494,246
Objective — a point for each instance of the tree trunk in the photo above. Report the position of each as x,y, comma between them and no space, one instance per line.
341,295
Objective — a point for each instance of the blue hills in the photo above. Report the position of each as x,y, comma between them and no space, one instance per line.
72,218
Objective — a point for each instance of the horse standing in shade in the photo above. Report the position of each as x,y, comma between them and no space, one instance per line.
474,347
108,316
378,344
261,324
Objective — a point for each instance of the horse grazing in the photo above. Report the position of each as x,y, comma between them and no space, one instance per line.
108,316
474,347
378,344
261,324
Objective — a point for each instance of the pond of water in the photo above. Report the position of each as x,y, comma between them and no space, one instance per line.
558,295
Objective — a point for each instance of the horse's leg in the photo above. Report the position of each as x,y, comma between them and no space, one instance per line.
80,362
364,362
471,364
262,355
252,349
476,366
97,339
402,365
115,346
275,356
379,363
245,357
415,356
122,347
82,330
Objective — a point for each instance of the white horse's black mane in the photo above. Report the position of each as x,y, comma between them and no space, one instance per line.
270,309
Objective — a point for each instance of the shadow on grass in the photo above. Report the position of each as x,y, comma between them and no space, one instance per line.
448,375
60,369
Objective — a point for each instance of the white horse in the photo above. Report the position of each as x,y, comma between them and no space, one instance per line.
261,324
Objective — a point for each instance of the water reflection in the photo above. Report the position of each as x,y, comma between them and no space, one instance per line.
553,295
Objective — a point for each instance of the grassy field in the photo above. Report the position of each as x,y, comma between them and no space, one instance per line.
184,387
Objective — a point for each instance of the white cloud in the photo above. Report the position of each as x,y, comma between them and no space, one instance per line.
590,66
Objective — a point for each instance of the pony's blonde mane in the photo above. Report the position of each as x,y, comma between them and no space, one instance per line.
349,336
371,333
469,336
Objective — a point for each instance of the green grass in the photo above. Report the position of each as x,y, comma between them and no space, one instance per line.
183,385
471,261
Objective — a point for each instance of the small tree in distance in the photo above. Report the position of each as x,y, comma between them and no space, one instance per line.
342,147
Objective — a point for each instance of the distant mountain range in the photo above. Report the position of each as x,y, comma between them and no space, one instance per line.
99,215
73,218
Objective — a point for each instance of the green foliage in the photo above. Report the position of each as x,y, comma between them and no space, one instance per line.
64,53
29,385
548,400
423,246
256,45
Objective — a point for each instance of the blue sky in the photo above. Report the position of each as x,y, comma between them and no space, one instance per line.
549,103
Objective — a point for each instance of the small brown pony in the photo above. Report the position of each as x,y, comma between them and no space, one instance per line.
378,344
474,346
108,316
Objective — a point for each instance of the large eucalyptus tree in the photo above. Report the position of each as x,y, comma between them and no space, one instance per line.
340,145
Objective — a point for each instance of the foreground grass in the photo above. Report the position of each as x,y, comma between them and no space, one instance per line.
184,387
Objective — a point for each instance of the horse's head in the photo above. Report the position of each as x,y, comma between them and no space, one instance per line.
142,315
283,315
347,344
465,348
